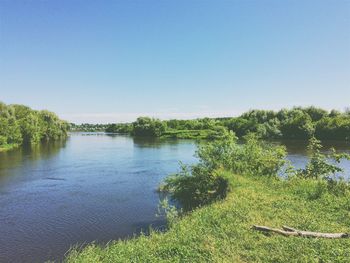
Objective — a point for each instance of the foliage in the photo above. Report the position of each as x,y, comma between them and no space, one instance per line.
170,212
121,128
319,165
296,123
253,157
203,183
298,126
20,124
187,134
196,188
210,134
148,127
334,128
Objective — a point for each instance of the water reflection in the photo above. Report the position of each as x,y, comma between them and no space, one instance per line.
93,187
19,157
30,152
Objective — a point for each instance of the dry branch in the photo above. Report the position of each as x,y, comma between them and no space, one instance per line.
289,231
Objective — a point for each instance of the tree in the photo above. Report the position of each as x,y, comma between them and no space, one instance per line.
298,126
19,123
145,126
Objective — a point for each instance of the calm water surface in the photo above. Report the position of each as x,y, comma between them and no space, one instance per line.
93,187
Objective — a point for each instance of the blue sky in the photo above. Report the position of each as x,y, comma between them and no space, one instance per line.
109,61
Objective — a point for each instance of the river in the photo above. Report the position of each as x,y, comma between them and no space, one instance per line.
91,187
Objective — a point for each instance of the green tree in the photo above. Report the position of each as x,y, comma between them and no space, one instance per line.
298,126
19,123
145,126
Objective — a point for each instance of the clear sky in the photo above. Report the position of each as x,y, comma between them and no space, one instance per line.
110,61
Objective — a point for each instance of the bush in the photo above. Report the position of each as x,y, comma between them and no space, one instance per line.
257,157
206,182
319,165
148,127
254,157
193,188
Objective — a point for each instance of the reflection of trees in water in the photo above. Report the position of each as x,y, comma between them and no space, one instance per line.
151,142
28,152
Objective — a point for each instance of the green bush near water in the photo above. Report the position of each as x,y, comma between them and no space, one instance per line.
201,184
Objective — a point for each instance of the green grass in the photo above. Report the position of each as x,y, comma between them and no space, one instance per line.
189,134
222,232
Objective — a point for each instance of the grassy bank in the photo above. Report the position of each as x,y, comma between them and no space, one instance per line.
221,232
190,134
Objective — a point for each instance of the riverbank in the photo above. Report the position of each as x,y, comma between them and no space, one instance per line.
8,147
221,232
191,134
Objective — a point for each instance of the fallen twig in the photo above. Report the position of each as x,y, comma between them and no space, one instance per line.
289,231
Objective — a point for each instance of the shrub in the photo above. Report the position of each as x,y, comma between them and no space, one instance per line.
206,181
192,187
319,165
148,127
254,157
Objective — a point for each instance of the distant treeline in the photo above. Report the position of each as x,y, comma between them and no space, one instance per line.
20,124
296,123
87,127
183,129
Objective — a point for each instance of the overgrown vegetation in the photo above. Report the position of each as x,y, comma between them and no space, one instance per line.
19,124
322,166
201,183
243,180
148,127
